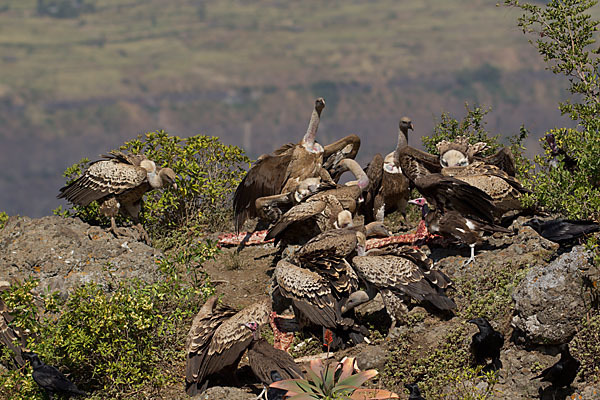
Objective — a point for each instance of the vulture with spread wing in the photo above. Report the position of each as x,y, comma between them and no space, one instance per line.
118,184
217,340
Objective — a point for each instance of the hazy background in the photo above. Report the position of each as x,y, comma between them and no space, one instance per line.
80,77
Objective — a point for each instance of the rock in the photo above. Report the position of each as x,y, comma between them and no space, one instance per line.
550,302
372,357
66,252
224,393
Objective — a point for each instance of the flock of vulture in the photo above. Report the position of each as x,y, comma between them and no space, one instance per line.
296,194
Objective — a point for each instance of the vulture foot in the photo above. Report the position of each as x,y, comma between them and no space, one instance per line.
472,258
137,233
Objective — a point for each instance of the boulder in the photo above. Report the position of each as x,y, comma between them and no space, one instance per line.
63,253
551,300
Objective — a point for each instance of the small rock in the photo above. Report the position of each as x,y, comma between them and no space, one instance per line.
372,357
224,393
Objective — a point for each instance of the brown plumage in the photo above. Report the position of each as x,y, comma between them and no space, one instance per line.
218,339
459,153
334,153
318,212
504,189
445,193
390,188
328,254
310,293
277,173
118,184
398,273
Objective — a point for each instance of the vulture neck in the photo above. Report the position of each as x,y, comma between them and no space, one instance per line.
311,133
402,143
361,176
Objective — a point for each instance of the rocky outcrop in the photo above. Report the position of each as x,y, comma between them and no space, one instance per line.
63,253
551,300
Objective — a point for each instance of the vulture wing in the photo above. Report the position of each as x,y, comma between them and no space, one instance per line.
231,338
101,179
208,319
309,292
267,177
264,358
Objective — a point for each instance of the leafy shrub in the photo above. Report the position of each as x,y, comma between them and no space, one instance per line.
472,126
207,174
564,37
3,219
111,343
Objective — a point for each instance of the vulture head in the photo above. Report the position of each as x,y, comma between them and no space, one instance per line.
344,219
254,327
319,104
306,188
405,124
453,158
421,202
355,299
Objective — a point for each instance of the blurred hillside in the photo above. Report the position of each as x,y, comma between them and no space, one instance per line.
80,77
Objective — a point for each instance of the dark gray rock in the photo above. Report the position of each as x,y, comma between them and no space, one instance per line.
550,301
66,252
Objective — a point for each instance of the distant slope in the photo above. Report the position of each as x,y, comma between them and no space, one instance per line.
248,71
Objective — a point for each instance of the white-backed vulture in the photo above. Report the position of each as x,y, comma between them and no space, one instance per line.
218,339
118,184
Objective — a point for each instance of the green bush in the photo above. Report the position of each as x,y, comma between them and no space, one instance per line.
120,344
3,219
563,34
207,174
472,126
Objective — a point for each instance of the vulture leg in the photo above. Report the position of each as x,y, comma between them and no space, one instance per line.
263,394
472,258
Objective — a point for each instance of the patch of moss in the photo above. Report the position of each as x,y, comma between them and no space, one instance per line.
585,346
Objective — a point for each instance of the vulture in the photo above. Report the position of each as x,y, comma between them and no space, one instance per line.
460,153
400,274
50,378
486,343
390,188
505,190
118,183
318,212
268,363
455,226
315,301
563,231
274,175
11,338
217,340
563,373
